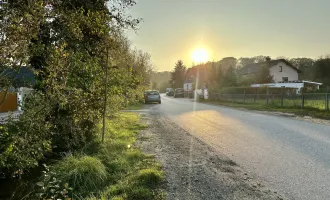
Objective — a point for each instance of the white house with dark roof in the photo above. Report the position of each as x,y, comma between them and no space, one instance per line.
281,70
12,100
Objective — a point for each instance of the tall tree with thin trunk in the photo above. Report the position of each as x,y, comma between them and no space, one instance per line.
178,75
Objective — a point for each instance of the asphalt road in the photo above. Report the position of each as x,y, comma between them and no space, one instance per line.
289,155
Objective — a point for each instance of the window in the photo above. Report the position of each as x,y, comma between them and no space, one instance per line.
280,68
285,79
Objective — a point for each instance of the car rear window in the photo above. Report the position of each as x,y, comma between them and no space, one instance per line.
152,92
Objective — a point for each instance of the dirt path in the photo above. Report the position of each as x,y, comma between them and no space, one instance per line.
193,169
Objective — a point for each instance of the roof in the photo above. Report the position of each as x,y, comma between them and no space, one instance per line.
255,67
24,77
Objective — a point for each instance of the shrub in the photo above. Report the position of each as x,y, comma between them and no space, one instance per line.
83,173
49,187
24,142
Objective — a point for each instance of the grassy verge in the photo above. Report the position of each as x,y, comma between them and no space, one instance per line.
136,106
116,169
307,111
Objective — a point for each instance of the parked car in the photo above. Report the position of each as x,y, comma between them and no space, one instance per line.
170,93
179,92
168,89
152,96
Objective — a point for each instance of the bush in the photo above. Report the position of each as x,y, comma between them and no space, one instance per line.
24,142
49,187
84,173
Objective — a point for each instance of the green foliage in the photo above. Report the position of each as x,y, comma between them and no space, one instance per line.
149,177
25,141
50,187
322,70
243,61
228,62
246,81
132,174
84,173
68,45
306,66
124,171
263,76
162,79
230,78
154,85
140,185
178,75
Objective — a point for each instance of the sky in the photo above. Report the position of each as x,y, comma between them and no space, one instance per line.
172,29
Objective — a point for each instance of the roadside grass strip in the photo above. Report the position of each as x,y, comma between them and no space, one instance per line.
115,169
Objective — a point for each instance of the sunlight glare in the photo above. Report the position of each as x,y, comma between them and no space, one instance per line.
199,55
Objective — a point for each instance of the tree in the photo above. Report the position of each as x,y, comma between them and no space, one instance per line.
263,76
228,62
243,61
260,58
65,44
229,79
306,65
162,79
322,70
212,73
178,75
154,85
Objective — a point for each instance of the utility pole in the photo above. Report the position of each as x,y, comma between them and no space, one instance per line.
105,94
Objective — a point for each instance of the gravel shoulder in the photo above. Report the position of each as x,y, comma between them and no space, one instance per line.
193,169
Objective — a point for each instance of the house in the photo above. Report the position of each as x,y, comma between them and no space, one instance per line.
12,98
281,70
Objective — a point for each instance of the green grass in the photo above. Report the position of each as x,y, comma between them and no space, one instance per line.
115,169
312,108
84,173
137,106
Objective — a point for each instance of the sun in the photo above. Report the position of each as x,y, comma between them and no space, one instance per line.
199,55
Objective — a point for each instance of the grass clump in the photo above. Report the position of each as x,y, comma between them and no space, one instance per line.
149,177
138,186
115,169
85,174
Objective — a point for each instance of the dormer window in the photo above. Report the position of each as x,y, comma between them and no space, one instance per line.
280,68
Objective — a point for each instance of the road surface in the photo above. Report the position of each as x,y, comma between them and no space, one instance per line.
289,155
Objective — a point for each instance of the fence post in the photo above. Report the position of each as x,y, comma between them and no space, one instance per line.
255,95
267,95
327,101
244,96
302,98
282,97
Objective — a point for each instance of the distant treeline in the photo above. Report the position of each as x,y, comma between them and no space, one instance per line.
224,73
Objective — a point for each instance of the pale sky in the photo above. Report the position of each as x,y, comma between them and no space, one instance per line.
172,29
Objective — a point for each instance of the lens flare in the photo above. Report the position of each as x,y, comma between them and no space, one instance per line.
199,55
